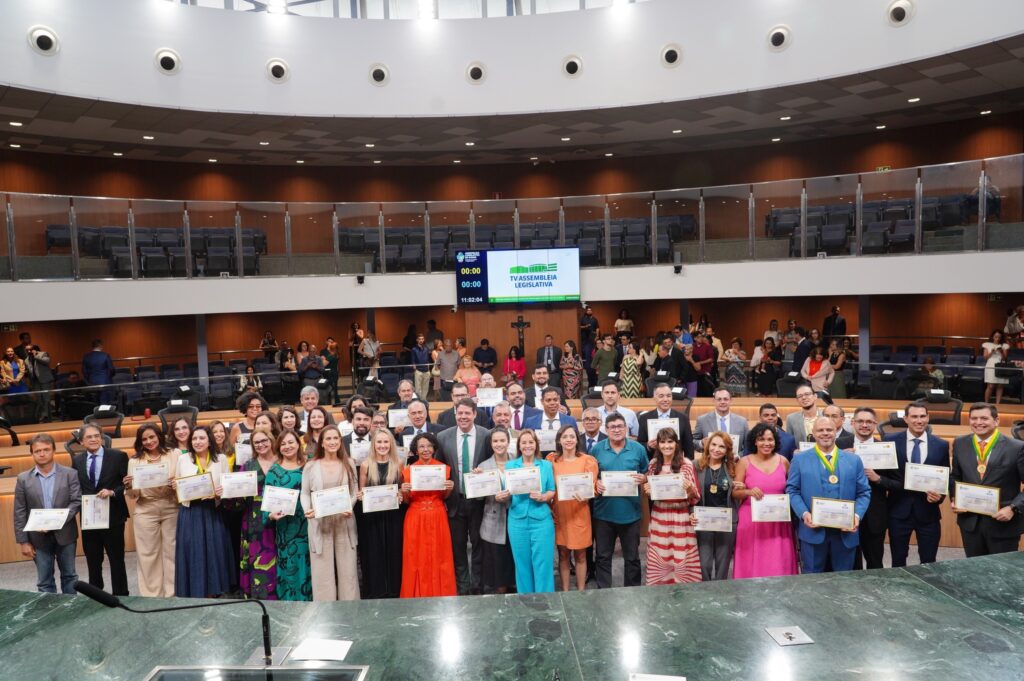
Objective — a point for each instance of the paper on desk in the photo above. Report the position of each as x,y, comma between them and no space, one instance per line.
321,649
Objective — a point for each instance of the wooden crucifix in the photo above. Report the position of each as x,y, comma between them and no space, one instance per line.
520,325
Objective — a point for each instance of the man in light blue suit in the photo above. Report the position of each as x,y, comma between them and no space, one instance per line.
551,418
825,471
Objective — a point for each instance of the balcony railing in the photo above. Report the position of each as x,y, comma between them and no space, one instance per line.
955,207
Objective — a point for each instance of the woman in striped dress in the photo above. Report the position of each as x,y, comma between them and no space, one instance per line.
672,556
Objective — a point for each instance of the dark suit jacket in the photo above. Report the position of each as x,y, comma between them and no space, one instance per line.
876,518
111,476
28,494
97,367
1005,471
531,396
685,432
834,325
802,352
449,454
556,358
399,405
446,419
583,439
907,505
430,428
844,440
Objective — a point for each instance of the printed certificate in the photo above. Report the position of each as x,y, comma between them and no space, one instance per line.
195,487
877,456
331,501
483,484
523,480
243,454
654,426
924,478
575,484
380,498
398,418
667,486
46,519
773,508
619,483
712,519
236,485
488,397
95,512
546,439
149,475
837,513
279,500
427,478
359,450
979,499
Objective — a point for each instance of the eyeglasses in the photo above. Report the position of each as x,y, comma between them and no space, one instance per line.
591,418
616,426
261,443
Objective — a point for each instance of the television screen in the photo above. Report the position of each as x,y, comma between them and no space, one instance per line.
549,275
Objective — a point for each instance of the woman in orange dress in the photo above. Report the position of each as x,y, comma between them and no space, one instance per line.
428,564
572,517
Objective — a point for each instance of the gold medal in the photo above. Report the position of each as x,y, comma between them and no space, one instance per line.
982,454
981,469
713,489
834,479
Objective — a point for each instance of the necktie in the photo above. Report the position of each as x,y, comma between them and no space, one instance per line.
551,424
722,425
916,454
518,424
547,357
590,443
92,469
465,452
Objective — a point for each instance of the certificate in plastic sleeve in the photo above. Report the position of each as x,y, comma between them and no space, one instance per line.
877,456
837,513
195,487
980,499
772,508
523,480
482,484
380,498
619,483
279,500
667,486
46,519
95,512
331,501
398,418
921,477
712,518
149,475
427,478
575,484
238,485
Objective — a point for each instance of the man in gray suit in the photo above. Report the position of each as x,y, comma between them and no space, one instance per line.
797,422
48,485
722,420
987,457
37,364
463,448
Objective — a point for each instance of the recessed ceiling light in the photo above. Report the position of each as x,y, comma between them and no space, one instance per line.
609,154
299,161
776,139
264,143
377,162
533,158
369,145
566,139
212,160
785,118
986,112
15,146
880,127
676,132
470,144
456,161
148,137
118,153
16,124
913,100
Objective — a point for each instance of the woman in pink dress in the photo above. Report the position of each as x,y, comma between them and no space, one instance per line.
763,549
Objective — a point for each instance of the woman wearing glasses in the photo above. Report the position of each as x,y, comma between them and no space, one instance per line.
258,567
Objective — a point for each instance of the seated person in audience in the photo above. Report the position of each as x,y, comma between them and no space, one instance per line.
844,439
517,401
485,358
551,418
826,471
704,360
610,405
541,378
938,379
663,410
722,420
407,394
818,370
592,425
446,419
800,423
469,376
768,414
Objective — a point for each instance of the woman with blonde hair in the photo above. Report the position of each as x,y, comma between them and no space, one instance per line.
332,539
716,472
380,533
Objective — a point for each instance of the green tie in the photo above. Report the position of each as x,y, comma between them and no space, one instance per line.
465,452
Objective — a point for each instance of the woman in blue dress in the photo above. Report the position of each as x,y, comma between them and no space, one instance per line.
531,528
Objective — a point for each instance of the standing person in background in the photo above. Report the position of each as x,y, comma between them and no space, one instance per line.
419,357
291,532
996,351
767,371
604,361
484,357
435,369
37,365
571,366
433,334
588,340
624,323
460,346
834,325
837,359
330,359
550,355
1014,327
268,344
311,367
790,340
704,360
98,369
155,519
369,354
773,332
25,341
448,361
631,373
514,368
48,485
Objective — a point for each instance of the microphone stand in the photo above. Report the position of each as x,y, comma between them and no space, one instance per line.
111,601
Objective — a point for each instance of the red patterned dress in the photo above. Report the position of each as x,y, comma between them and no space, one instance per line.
672,556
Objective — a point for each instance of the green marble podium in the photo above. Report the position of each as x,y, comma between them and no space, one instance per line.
952,620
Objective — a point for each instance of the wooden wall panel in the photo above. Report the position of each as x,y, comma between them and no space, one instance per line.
392,323
495,325
954,314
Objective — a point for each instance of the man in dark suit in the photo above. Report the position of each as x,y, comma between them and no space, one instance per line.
541,382
42,378
407,394
549,355
463,448
803,349
989,458
418,416
876,519
98,369
446,419
101,472
834,325
517,401
591,434
663,410
48,485
551,418
357,443
910,511
844,440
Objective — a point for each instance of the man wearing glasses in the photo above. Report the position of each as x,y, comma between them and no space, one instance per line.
618,517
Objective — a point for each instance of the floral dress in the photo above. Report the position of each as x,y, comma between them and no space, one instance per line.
291,534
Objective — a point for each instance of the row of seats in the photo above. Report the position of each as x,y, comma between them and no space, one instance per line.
172,261
101,241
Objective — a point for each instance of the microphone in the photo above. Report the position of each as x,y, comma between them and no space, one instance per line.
112,601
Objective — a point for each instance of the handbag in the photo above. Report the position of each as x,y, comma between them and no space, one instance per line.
1006,369
435,371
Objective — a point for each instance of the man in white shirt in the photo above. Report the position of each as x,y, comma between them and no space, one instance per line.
663,410
549,421
541,382
723,420
610,399
357,443
517,401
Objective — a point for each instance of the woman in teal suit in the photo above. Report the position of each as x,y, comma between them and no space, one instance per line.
531,529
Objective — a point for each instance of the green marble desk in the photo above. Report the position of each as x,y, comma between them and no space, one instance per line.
958,619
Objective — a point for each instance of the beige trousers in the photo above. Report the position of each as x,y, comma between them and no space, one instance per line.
335,577
156,523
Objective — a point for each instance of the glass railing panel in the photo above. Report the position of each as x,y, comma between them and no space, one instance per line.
889,212
5,254
584,227
776,219
263,231
1004,203
831,215
633,213
495,223
312,240
449,231
948,204
727,228
358,237
41,221
538,221
679,220
164,220
212,234
103,236
404,248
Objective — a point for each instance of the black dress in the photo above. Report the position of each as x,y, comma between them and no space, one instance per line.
380,548
768,374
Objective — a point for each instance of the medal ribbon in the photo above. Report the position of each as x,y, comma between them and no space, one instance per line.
983,455
830,467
